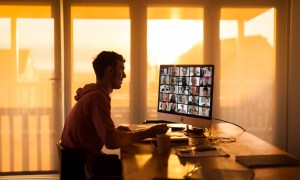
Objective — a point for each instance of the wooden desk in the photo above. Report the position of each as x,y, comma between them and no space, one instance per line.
141,161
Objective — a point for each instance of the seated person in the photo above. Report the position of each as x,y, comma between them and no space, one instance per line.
173,98
203,111
204,91
193,110
164,97
172,89
173,108
205,102
183,99
193,100
182,110
163,106
194,90
205,81
183,90
89,124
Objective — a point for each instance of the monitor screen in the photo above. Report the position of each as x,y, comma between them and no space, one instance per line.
185,94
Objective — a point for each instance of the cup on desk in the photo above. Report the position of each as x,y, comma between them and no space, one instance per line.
163,143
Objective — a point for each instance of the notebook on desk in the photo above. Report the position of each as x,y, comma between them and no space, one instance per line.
252,161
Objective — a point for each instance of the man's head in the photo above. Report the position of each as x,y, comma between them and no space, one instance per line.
203,111
194,90
164,106
193,81
205,80
172,88
184,71
183,98
205,91
110,64
174,70
192,110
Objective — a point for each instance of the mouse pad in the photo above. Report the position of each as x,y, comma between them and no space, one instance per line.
267,160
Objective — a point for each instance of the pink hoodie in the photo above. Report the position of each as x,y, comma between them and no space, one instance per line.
89,124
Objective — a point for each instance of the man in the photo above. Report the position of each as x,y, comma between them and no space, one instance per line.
184,71
184,99
174,71
205,91
89,124
193,101
164,106
182,110
194,81
205,102
194,91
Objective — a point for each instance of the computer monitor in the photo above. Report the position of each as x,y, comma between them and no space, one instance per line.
185,94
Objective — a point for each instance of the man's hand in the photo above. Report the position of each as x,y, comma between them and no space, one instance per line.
159,129
122,128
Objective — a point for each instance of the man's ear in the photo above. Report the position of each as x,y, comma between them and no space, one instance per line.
110,70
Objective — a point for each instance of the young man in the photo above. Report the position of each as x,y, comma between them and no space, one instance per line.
89,124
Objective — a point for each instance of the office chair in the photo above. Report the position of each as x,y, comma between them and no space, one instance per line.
71,162
106,166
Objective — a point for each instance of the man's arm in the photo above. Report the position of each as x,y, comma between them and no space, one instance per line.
125,137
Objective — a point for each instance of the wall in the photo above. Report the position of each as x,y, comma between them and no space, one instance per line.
294,82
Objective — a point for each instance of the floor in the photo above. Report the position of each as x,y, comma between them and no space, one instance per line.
31,177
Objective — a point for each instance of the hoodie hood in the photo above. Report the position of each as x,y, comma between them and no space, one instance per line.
88,88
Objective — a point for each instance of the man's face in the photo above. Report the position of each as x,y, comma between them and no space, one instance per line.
173,106
194,89
192,110
184,99
194,81
203,111
163,106
194,71
172,89
174,71
118,75
165,80
205,80
164,97
184,72
165,71
205,93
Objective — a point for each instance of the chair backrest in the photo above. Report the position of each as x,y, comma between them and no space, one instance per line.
71,162
105,166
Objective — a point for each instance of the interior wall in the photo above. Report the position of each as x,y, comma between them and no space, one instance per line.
294,83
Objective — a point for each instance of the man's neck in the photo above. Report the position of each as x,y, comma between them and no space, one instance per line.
105,84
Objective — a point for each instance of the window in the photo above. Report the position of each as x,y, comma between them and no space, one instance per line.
247,68
174,35
104,28
26,90
245,42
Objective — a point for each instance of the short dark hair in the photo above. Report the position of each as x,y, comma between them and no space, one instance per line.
105,59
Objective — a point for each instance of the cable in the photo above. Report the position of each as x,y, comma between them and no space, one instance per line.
229,123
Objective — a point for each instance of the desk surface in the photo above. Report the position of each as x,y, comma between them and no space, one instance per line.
142,161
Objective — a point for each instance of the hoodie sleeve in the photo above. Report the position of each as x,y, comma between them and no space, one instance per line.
104,125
